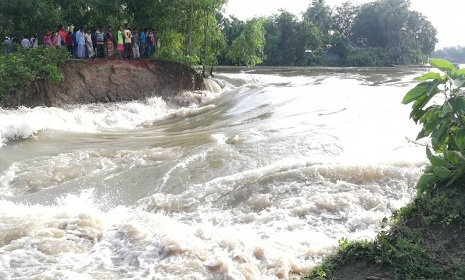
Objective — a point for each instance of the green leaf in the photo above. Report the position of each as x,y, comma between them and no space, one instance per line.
417,112
432,122
415,93
446,109
422,134
442,65
432,87
426,181
435,160
460,139
439,136
460,72
458,82
428,76
441,172
458,104
454,158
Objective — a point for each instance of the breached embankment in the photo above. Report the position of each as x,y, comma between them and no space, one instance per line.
98,81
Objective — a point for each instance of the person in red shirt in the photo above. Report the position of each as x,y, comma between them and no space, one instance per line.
69,42
62,33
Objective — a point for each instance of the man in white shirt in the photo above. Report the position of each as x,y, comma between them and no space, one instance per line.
127,42
25,42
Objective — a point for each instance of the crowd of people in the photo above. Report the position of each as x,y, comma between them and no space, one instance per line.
84,43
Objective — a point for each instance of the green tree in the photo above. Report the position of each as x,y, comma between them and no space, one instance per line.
340,45
452,54
389,24
247,49
290,41
320,14
27,17
231,27
344,17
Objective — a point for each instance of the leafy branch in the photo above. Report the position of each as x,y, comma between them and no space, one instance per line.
443,123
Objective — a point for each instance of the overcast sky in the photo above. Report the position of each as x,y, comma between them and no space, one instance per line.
445,15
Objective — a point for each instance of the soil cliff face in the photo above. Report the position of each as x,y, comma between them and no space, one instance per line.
110,81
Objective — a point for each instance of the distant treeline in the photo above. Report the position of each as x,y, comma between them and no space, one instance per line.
379,33
453,54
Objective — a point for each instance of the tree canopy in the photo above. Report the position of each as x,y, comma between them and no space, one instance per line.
196,31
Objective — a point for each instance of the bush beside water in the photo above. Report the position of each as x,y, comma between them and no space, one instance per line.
20,69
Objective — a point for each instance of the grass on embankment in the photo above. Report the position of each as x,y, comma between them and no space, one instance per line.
426,240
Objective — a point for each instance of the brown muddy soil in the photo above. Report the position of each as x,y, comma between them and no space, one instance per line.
96,81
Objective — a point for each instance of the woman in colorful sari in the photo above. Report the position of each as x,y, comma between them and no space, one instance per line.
109,43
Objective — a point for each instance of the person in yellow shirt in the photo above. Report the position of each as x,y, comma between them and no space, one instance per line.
127,42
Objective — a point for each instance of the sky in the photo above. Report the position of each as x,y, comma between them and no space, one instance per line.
445,15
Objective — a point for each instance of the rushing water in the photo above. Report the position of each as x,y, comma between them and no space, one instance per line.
259,181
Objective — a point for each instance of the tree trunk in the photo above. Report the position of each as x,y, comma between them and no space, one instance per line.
189,35
205,29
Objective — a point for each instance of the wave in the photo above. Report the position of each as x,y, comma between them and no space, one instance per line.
264,223
93,118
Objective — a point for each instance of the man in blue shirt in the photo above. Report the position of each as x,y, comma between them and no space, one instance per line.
143,42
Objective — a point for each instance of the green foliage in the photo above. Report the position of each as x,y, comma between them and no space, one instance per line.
319,14
247,49
390,24
452,54
20,69
289,41
344,17
200,34
367,57
340,45
443,123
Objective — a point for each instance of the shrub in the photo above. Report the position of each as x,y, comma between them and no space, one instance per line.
368,57
20,69
444,123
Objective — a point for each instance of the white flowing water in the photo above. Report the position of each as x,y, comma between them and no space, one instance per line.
259,181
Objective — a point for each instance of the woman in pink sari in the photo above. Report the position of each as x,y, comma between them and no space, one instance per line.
55,39
47,40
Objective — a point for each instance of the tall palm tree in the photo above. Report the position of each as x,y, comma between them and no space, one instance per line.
320,14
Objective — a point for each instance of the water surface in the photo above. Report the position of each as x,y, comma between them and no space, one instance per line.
259,181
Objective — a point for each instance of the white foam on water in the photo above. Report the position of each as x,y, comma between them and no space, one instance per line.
279,220
307,182
33,175
25,122
273,222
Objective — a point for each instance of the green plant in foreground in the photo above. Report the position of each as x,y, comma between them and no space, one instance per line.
444,123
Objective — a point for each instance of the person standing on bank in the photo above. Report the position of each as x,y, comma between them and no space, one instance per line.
25,42
120,42
69,43
81,41
135,44
143,42
109,43
62,33
127,42
34,41
99,38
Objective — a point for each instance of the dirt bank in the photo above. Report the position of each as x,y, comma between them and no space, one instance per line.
110,81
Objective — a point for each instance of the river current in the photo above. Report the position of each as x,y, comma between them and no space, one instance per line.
259,181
